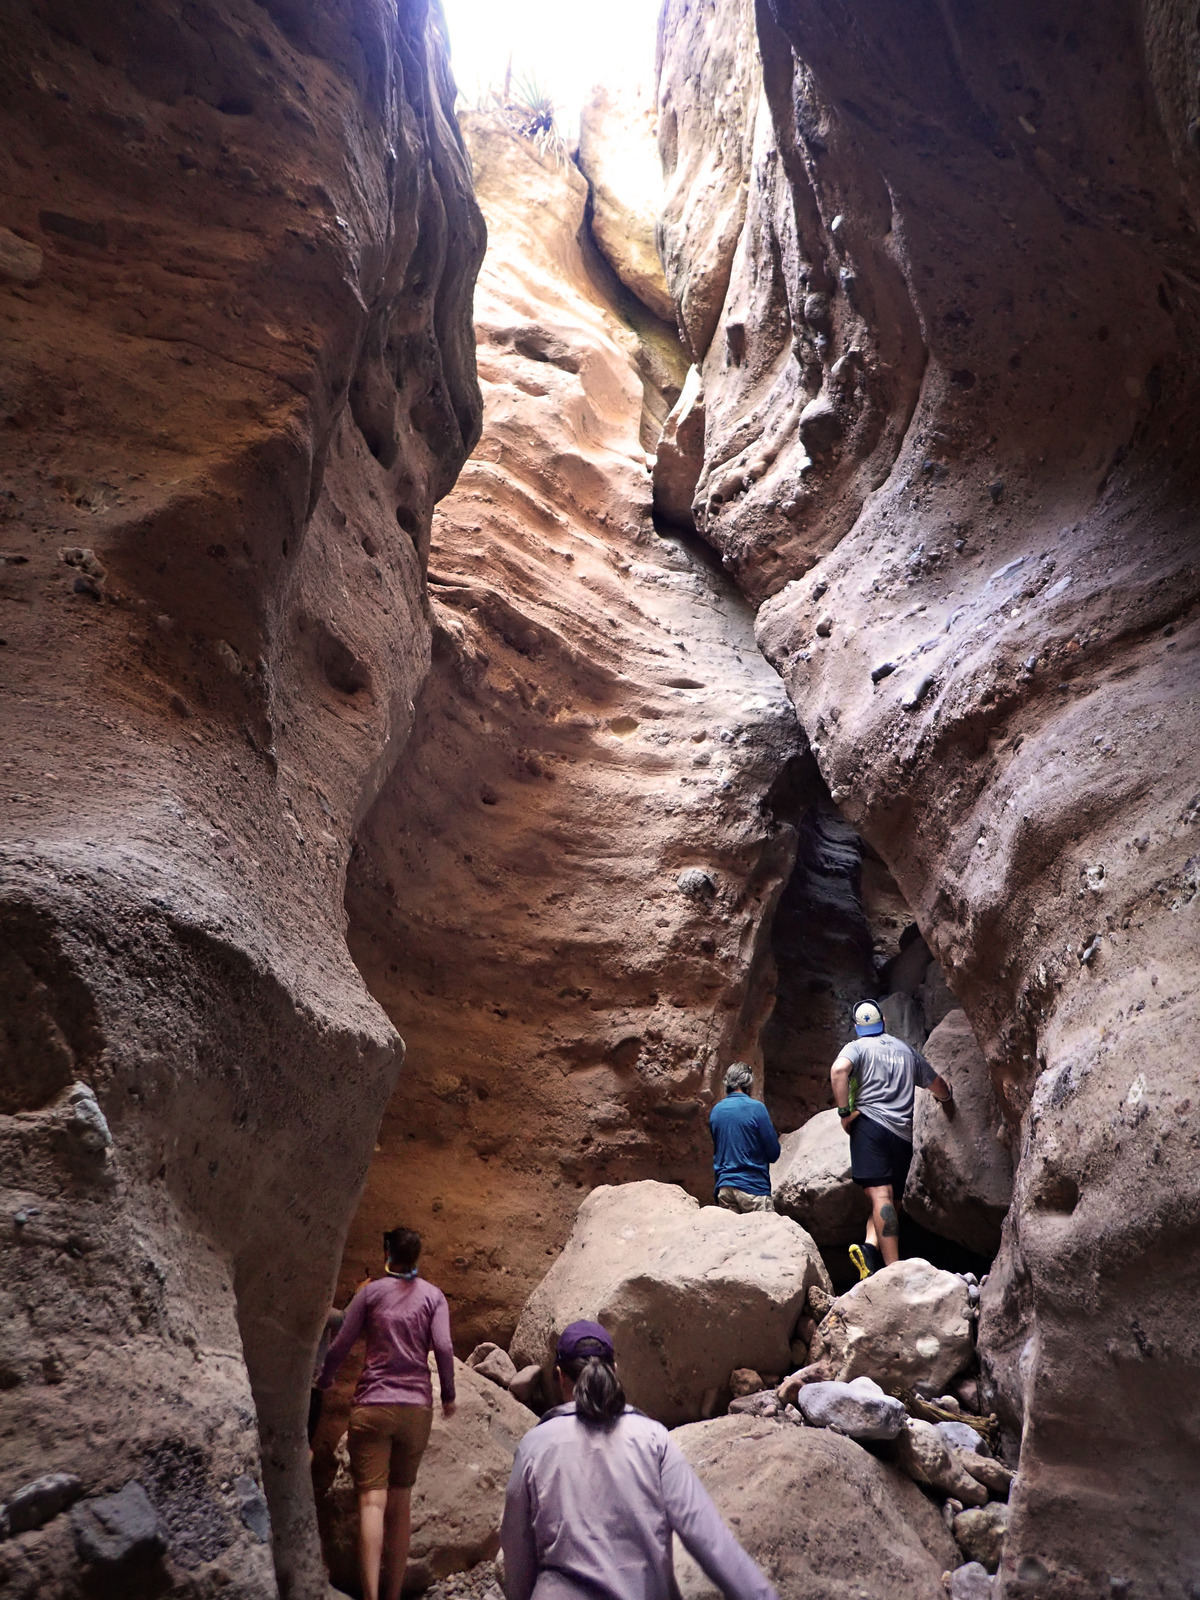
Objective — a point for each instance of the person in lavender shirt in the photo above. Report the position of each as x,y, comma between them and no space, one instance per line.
403,1318
598,1489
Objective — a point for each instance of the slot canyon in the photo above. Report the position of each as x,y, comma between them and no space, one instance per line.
491,634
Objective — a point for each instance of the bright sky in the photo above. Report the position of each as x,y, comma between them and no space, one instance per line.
566,45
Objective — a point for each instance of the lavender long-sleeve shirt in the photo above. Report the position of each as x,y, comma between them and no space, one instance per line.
403,1320
590,1512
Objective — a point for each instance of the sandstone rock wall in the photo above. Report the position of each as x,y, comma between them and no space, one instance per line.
237,244
563,895
948,408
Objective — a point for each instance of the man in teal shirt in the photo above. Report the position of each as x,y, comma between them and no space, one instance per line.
744,1145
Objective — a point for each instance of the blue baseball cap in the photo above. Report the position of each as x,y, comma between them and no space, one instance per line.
868,1019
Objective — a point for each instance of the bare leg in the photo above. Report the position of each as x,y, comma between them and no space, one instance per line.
371,1506
398,1532
884,1224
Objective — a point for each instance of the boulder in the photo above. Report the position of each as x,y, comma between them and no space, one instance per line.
961,1436
980,1533
39,1502
744,1381
934,994
996,1478
529,1387
971,1582
459,1495
860,1409
811,1182
960,1181
904,1018
823,1518
927,1458
688,1293
905,1326
494,1363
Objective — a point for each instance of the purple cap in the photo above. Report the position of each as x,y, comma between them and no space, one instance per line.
581,1333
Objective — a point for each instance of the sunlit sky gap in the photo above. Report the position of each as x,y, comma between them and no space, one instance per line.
566,46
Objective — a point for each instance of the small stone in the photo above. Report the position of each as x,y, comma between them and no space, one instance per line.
995,1477
970,1582
996,490
118,1530
87,586
252,1508
973,1293
178,704
692,881
75,228
815,1372
916,694
19,260
743,1381
824,627
86,1123
819,1302
42,1500
761,1404
948,1402
950,1510
819,588
883,670
20,1218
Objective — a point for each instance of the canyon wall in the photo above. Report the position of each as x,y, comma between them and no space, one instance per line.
237,247
937,268
563,895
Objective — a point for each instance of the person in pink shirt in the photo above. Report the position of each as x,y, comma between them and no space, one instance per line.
402,1318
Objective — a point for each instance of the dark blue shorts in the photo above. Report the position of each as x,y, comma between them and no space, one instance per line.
878,1156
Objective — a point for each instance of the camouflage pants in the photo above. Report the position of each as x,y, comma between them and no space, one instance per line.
739,1200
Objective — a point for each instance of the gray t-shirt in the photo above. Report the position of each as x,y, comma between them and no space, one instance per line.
887,1070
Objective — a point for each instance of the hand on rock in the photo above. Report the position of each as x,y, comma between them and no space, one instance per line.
449,1410
949,1108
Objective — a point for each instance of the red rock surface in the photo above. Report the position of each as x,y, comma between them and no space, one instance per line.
564,893
971,514
232,390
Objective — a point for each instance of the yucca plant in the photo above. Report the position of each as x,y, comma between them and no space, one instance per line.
525,107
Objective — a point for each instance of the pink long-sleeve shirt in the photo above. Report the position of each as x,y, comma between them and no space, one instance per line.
403,1320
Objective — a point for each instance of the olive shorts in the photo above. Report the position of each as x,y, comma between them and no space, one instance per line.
387,1443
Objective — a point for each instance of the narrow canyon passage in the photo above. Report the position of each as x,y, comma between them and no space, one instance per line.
492,633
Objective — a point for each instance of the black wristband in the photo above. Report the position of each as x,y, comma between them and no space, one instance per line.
845,1111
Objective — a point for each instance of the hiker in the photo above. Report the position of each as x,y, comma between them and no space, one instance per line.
874,1083
596,1491
403,1318
744,1145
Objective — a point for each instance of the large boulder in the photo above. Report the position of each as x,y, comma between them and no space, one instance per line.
688,1293
860,1409
811,1182
619,159
960,1181
906,1327
822,1517
459,1496
980,1533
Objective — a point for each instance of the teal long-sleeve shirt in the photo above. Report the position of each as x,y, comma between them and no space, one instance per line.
744,1144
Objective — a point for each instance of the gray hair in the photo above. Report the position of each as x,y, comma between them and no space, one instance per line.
739,1076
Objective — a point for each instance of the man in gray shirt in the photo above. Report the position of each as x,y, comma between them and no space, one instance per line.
874,1085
